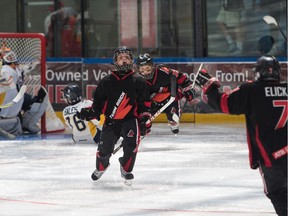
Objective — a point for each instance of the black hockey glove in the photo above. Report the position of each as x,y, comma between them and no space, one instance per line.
145,123
88,114
189,93
206,82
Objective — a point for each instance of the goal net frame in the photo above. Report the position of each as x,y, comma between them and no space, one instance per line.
30,49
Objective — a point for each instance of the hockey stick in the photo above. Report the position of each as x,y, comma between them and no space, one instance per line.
171,100
176,117
271,20
16,99
7,135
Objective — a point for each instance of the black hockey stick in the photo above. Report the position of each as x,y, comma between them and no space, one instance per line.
270,20
16,99
171,100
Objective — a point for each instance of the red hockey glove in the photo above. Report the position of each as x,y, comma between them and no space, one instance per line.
189,93
88,114
145,125
205,81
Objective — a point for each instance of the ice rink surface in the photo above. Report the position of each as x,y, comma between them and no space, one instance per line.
203,171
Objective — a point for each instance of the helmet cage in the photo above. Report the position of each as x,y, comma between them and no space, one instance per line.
124,67
72,94
9,57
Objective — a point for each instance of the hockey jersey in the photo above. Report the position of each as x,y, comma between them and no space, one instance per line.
82,131
9,79
122,97
160,83
265,106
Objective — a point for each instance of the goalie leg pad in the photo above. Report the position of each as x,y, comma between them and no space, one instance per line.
32,116
11,125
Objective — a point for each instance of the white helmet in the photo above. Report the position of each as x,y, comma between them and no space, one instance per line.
9,57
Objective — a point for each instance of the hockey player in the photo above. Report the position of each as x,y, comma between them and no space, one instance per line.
123,98
158,79
82,131
264,103
10,78
33,107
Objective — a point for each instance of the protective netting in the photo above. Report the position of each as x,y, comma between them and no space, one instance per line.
30,50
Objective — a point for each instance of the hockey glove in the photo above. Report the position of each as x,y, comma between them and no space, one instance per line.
206,82
189,93
88,114
145,123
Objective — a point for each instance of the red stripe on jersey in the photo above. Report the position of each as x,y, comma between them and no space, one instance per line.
181,80
263,153
224,103
250,149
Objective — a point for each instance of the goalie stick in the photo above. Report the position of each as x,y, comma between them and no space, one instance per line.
271,20
171,100
16,99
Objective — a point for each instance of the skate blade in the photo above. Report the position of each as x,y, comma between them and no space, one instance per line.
128,182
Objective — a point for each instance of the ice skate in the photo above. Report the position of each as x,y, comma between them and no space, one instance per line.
128,176
174,126
97,174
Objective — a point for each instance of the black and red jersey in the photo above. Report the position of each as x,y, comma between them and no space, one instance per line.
121,97
265,107
159,85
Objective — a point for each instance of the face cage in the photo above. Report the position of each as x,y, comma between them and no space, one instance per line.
125,67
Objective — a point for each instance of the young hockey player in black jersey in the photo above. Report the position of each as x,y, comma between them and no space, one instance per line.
123,98
264,103
159,81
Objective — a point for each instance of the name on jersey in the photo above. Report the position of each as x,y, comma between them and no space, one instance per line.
70,110
117,104
276,91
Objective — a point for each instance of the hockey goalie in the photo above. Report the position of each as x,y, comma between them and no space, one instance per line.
25,114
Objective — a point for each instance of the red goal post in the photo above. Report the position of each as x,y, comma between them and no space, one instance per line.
30,49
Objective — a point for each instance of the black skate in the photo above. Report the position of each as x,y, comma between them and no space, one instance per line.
174,126
97,174
128,176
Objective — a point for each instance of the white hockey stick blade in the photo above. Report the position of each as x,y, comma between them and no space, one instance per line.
16,99
270,20
7,135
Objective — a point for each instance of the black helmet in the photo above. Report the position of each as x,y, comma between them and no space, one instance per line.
268,68
125,68
72,94
144,59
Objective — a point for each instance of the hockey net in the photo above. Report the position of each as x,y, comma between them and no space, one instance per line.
30,49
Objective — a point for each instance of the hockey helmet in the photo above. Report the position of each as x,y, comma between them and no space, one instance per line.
72,94
3,50
268,68
124,67
145,65
9,57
